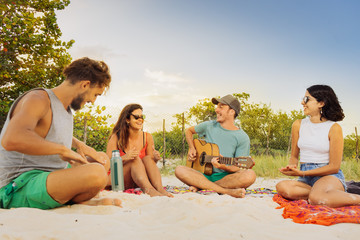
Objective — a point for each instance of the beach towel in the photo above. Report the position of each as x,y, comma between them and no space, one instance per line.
185,189
172,189
256,192
302,212
260,192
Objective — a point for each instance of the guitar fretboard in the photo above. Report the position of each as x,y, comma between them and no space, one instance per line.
222,160
226,160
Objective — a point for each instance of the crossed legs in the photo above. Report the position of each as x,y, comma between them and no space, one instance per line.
327,191
232,184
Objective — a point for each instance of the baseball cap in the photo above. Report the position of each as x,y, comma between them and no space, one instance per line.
228,100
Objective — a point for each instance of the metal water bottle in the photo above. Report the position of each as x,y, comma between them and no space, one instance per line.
117,175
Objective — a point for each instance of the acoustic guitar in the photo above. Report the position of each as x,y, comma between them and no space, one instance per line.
206,151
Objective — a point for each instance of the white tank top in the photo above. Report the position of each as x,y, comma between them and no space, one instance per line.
314,141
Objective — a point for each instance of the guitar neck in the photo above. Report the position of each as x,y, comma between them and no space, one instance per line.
222,160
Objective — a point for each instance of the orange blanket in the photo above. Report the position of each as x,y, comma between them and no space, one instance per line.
302,212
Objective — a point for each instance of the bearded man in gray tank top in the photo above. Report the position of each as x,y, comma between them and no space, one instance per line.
38,169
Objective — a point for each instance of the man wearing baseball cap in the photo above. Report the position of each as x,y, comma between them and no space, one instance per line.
232,142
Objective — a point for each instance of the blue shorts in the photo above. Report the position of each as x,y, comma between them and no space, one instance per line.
310,180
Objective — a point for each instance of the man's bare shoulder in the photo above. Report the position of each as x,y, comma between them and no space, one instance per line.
36,99
38,94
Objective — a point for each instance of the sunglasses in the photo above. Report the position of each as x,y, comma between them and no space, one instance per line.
306,99
138,116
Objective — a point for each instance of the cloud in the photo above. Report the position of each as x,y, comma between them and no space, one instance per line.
97,52
162,77
162,94
170,91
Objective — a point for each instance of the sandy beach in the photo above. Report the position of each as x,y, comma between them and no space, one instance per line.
186,216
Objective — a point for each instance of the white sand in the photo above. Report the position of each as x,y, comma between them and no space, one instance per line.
187,216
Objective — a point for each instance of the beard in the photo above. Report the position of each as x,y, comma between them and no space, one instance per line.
76,103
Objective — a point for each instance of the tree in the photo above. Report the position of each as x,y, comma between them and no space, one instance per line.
257,120
282,130
266,128
91,127
31,52
204,110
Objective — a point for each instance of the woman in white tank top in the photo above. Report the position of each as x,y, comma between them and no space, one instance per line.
317,142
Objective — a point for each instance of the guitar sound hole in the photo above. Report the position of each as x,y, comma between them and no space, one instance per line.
202,158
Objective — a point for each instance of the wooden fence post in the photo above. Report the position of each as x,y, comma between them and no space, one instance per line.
183,137
289,146
357,145
164,143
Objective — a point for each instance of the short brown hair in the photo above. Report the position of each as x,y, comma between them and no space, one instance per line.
97,72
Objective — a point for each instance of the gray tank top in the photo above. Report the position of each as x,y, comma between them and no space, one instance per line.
13,164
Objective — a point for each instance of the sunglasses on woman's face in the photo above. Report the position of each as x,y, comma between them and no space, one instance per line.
138,116
306,99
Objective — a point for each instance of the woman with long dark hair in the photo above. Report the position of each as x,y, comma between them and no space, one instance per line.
317,142
137,152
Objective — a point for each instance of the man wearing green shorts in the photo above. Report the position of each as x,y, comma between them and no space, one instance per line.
232,142
36,142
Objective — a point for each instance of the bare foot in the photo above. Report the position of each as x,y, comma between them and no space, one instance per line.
103,201
238,192
165,193
193,189
152,192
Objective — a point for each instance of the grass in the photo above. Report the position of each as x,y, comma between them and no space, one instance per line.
170,165
351,169
267,166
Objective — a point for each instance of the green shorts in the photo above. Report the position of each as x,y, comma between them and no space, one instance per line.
216,176
28,190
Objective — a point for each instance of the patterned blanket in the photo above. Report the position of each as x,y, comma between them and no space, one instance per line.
256,192
302,212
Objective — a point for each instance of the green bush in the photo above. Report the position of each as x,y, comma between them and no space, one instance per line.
173,142
94,124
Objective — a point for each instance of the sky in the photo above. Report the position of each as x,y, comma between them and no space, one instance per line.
168,54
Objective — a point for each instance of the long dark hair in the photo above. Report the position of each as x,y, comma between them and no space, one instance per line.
121,128
331,109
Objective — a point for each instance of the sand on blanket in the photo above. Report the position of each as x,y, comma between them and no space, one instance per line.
186,216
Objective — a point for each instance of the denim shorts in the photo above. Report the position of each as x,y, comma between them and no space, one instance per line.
310,180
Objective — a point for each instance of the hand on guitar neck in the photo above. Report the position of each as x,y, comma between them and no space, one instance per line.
216,163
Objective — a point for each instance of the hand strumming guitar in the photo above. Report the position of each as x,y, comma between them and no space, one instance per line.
192,154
